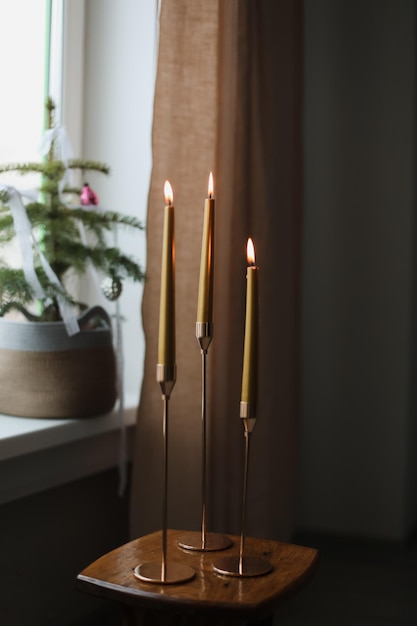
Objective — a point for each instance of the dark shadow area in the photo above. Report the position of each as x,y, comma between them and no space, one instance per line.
357,583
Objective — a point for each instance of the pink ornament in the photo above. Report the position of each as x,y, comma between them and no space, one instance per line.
88,196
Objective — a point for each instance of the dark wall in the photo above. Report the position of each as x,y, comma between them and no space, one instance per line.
46,540
358,471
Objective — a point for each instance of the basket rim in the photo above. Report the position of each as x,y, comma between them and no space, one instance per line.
84,317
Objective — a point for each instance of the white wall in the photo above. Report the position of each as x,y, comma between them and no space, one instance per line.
357,473
118,98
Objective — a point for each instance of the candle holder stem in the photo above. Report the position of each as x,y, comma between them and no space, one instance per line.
242,565
164,571
244,497
165,494
204,541
204,448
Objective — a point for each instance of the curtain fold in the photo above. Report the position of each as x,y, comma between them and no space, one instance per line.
228,100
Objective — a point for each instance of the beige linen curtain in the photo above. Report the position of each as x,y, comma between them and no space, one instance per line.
227,100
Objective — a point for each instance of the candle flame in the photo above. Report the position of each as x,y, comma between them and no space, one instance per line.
169,196
250,252
210,186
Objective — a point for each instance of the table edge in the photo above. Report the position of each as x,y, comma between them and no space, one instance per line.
131,595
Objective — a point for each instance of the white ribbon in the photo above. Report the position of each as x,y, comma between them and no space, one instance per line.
84,241
58,134
24,236
27,242
65,308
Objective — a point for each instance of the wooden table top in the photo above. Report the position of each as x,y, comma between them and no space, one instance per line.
111,577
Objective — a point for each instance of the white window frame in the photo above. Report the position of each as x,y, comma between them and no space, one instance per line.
66,66
73,71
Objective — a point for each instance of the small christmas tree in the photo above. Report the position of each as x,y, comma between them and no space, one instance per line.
58,235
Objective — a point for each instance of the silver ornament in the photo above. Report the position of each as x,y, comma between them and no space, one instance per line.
111,288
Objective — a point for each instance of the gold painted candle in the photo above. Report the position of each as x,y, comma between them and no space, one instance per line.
205,289
250,352
166,343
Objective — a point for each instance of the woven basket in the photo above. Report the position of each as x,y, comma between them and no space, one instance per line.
46,373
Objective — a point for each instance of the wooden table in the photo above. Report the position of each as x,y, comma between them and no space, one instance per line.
208,598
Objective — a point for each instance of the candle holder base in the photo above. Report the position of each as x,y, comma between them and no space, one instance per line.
212,542
247,567
152,572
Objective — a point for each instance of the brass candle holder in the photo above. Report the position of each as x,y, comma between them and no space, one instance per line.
242,565
163,571
204,541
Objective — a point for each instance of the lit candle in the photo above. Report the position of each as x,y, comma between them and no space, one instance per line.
166,343
250,353
205,290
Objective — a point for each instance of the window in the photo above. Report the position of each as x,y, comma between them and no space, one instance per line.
31,46
42,50
23,46
105,100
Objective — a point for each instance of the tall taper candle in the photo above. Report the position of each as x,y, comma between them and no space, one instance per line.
166,343
205,290
250,355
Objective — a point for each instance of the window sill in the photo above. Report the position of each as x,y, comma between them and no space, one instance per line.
38,454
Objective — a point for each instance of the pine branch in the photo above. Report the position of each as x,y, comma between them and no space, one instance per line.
27,168
7,231
13,285
60,235
123,220
18,306
116,264
72,190
90,166
105,219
